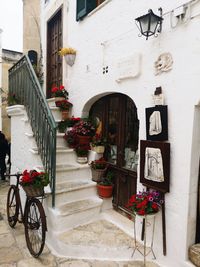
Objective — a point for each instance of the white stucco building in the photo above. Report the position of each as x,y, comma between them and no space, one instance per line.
114,76
108,37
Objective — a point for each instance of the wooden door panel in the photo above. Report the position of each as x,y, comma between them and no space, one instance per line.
118,114
54,44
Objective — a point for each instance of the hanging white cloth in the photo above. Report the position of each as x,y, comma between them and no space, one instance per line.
155,125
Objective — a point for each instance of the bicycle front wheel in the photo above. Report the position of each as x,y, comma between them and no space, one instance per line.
35,226
12,206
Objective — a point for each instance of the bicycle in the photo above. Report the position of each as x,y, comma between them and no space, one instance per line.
33,217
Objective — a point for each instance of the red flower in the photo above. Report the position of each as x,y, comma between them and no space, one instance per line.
141,212
132,199
146,202
155,206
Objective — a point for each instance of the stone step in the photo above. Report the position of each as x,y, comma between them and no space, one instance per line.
72,214
63,154
73,172
60,140
56,113
70,172
99,239
74,190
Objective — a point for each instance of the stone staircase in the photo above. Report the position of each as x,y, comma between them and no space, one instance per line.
82,225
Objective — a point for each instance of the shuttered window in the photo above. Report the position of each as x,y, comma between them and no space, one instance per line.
83,7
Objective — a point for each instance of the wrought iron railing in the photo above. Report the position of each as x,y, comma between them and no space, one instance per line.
26,87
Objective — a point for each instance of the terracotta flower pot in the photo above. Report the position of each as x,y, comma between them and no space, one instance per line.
65,115
105,191
84,140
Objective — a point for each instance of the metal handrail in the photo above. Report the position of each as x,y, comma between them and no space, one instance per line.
24,84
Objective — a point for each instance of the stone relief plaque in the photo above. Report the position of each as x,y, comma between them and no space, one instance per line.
128,67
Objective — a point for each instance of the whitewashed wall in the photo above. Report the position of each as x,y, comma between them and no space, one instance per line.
104,38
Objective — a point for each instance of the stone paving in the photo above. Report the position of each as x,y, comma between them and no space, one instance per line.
14,253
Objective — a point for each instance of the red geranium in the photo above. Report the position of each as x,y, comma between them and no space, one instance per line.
63,104
59,92
37,179
146,202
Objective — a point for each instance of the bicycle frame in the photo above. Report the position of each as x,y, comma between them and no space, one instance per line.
19,198
32,216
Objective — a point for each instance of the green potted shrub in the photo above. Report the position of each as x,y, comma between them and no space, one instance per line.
82,153
105,185
62,126
98,143
67,125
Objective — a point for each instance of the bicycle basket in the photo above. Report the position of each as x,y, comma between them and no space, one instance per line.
32,191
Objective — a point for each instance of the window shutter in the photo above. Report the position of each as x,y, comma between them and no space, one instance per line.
83,7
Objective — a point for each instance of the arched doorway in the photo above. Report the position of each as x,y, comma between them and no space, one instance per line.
120,125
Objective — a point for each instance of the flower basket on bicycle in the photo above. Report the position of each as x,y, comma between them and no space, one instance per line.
33,183
32,191
33,215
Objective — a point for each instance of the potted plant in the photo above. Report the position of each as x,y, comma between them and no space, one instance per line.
72,121
145,203
59,93
33,182
69,55
67,125
82,153
98,143
98,168
12,99
71,138
85,130
62,126
64,106
105,185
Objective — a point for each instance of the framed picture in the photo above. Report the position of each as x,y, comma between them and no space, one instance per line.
155,165
157,123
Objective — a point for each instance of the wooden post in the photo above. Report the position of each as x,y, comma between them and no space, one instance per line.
164,227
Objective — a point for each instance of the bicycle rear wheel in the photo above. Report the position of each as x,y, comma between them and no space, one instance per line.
35,226
12,206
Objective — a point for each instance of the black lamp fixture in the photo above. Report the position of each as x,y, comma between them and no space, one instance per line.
150,24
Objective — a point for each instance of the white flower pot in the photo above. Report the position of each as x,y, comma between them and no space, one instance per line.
82,160
99,149
70,59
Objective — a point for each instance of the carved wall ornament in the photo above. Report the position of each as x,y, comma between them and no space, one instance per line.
128,67
163,63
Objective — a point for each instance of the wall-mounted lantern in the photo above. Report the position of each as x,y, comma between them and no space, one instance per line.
150,24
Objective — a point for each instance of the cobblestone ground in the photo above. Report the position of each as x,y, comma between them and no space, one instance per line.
14,253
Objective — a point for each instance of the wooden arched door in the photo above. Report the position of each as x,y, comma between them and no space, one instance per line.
120,125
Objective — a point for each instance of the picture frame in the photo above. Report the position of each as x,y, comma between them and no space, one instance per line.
155,165
157,123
